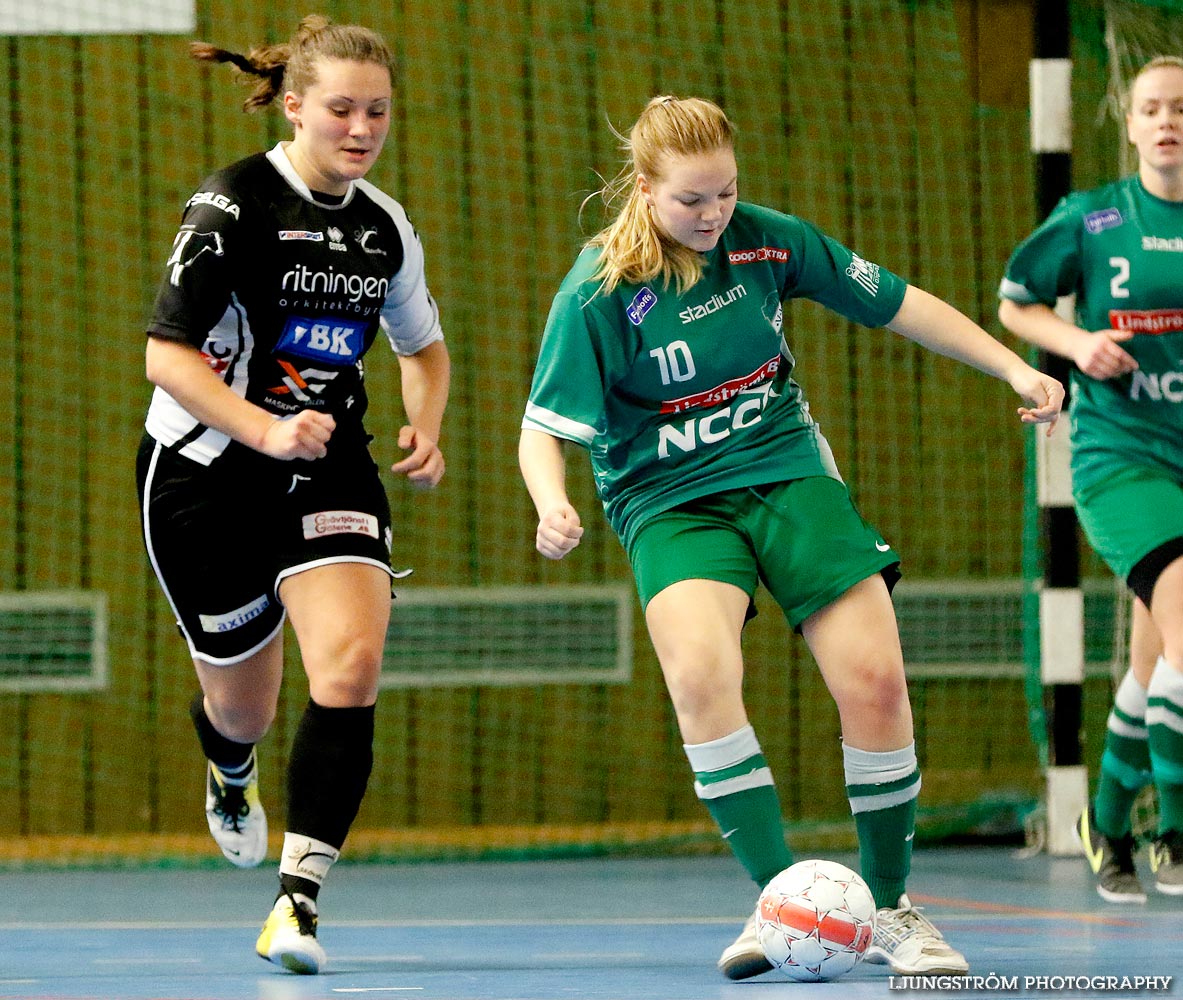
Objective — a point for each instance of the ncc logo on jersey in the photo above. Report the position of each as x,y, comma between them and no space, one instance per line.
335,342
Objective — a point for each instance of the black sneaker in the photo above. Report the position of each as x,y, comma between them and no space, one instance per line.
1166,861
1112,861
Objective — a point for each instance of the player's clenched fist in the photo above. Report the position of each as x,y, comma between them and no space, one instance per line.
559,531
302,435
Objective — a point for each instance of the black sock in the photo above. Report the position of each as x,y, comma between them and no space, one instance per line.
332,755
289,885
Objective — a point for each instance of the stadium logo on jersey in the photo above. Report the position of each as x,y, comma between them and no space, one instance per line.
340,522
304,384
363,237
301,234
236,618
864,272
1173,244
336,238
217,200
642,302
336,342
1150,321
188,246
778,254
713,304
725,391
718,424
354,287
1098,222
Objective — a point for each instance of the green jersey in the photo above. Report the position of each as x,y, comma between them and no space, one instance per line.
681,396
1120,250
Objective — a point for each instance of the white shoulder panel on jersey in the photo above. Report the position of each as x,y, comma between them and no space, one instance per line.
169,422
410,317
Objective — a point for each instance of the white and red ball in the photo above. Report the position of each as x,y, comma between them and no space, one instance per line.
816,920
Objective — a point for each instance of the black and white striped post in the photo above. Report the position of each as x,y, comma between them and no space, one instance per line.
1061,602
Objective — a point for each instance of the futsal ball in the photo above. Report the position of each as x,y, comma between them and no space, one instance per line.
816,920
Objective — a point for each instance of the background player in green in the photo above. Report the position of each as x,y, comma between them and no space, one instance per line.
1119,248
664,355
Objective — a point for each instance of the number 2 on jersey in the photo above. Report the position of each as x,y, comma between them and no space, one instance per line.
1117,288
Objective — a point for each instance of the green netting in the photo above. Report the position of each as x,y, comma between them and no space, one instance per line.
900,128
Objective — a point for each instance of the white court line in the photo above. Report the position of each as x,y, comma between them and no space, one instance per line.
207,925
374,989
145,961
583,956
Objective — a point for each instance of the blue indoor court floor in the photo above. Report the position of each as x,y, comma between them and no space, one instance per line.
611,929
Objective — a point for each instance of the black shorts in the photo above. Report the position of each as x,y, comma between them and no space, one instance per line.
221,537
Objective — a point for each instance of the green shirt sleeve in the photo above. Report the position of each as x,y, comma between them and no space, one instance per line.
1047,264
831,274
583,354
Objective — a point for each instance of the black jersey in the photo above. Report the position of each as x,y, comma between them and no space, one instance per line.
284,293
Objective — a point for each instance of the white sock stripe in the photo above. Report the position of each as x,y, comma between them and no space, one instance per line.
1131,696
875,767
1166,682
758,778
1156,716
1123,728
871,803
727,751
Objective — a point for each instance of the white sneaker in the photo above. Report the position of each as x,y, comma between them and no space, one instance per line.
235,816
910,944
288,937
744,957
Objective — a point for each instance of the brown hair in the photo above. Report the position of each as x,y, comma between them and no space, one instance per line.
291,65
635,250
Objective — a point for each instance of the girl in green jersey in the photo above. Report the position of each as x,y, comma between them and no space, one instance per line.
664,355
1119,250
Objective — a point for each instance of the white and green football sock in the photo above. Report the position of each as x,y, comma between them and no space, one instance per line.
1164,724
882,787
733,779
1125,764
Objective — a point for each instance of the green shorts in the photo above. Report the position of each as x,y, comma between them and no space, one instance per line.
1129,515
802,539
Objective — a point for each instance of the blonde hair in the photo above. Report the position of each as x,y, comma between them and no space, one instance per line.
1158,62
291,65
635,250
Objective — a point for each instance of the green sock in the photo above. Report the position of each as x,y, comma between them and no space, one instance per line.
1125,764
1164,723
882,788
732,778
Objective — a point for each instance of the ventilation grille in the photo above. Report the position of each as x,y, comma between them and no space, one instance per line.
452,636
973,628
53,641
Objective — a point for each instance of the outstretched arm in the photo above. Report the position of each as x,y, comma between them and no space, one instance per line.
1096,354
935,324
540,457
426,376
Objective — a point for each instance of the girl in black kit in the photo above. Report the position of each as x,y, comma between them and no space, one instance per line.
260,499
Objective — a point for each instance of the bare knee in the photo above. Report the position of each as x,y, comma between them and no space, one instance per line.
345,675
873,690
700,682
239,722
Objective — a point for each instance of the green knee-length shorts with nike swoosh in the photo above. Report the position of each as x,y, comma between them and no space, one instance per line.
803,539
